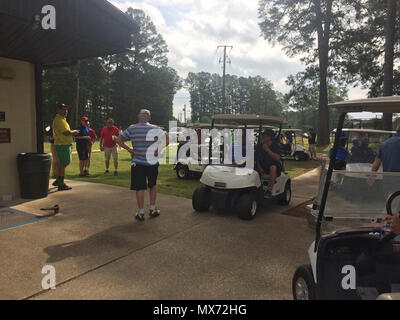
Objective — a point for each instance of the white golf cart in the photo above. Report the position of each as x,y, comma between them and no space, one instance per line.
186,166
353,257
240,187
296,150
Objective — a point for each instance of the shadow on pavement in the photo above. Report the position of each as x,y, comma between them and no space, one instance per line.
119,237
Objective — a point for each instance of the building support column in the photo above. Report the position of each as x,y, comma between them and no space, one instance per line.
39,107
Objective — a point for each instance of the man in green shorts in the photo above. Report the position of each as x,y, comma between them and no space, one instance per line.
63,139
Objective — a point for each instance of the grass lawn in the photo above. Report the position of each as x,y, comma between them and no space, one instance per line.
96,146
167,183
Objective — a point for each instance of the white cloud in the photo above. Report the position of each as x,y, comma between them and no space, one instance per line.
187,63
198,27
152,11
194,28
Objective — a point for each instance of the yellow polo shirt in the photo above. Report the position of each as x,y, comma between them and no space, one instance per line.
60,125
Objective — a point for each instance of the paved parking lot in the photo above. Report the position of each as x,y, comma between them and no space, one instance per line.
100,252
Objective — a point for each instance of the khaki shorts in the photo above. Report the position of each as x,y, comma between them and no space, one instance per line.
111,151
312,148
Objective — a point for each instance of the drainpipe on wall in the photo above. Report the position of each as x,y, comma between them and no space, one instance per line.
39,108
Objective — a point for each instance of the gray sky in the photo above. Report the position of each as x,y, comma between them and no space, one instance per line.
194,28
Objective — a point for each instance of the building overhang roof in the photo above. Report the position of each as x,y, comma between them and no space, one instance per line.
84,28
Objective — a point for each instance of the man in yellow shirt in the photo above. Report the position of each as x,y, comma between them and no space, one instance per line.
63,139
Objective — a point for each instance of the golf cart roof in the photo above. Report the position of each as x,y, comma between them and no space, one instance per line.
294,130
366,131
254,126
381,104
248,119
208,126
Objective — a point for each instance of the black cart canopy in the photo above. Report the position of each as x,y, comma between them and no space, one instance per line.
381,104
247,119
83,28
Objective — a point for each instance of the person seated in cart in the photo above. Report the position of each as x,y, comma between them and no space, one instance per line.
268,157
289,140
361,152
341,154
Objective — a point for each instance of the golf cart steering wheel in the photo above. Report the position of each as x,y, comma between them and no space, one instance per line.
389,201
365,261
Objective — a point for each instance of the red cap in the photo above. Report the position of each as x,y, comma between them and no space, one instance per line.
85,119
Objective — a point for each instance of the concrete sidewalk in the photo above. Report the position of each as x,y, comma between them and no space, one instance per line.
100,251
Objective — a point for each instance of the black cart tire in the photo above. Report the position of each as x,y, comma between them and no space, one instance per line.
182,171
247,206
286,197
201,200
298,156
303,285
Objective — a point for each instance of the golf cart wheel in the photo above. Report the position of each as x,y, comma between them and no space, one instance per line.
247,206
298,156
285,198
182,172
303,285
201,199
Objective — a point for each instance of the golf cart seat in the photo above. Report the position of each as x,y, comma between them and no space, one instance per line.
389,296
361,153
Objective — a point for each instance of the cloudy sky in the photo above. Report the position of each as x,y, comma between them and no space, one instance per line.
193,29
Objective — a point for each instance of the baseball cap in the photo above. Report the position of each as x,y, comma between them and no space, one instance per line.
269,132
84,118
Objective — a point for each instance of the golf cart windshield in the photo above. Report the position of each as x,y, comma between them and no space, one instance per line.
362,146
358,199
353,194
258,123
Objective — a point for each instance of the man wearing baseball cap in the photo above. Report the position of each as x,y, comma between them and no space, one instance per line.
268,157
108,144
82,146
63,139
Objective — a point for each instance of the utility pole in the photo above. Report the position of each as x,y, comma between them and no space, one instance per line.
77,95
224,61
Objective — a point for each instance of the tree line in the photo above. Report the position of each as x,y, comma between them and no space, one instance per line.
253,95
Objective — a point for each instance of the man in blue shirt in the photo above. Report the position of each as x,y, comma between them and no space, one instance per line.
389,154
144,170
82,147
341,154
389,158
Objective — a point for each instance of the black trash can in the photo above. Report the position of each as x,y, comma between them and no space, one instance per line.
34,174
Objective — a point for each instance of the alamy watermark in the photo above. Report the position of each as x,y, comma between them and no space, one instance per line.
350,16
47,20
349,280
203,146
49,280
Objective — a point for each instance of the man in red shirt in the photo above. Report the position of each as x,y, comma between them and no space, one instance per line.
108,144
93,139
